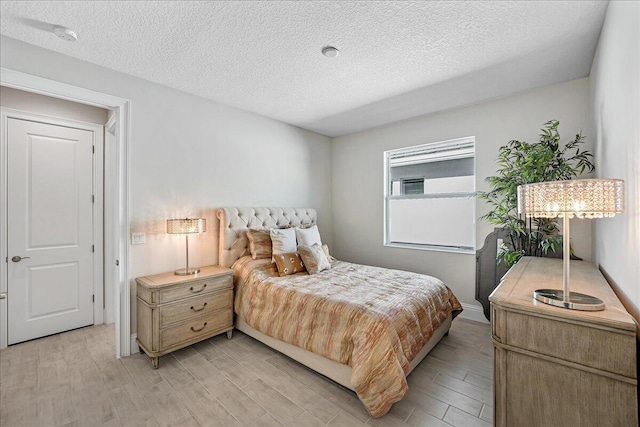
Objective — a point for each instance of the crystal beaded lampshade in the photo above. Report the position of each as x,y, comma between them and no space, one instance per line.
583,198
186,226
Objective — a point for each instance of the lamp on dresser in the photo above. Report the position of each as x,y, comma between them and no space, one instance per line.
186,226
582,198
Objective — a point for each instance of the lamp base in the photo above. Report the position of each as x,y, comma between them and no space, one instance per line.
577,301
185,272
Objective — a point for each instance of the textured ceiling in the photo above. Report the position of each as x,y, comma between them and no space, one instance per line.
398,59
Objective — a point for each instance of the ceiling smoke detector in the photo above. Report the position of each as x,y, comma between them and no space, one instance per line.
65,33
330,51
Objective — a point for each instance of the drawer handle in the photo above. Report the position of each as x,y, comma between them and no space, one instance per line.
198,330
199,290
199,309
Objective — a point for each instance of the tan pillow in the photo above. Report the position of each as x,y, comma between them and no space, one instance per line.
289,263
259,243
314,258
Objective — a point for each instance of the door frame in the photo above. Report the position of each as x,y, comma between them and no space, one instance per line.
97,190
110,257
116,171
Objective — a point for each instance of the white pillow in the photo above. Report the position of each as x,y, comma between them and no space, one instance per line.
308,236
283,240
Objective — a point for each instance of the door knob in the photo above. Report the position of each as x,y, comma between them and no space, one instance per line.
19,258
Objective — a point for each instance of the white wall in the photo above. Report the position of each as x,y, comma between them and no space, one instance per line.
190,156
35,103
358,175
615,102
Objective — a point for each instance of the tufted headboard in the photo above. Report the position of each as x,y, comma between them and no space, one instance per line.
234,223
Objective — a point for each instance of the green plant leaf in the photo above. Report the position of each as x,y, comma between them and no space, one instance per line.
520,162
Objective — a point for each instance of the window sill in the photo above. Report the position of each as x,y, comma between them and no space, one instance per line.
468,251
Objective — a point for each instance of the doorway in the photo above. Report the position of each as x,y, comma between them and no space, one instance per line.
116,175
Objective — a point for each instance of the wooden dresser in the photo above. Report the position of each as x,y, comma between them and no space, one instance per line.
177,311
560,367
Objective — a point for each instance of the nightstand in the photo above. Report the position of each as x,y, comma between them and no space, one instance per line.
177,311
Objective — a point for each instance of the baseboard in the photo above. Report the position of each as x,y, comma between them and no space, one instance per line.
134,344
470,312
473,312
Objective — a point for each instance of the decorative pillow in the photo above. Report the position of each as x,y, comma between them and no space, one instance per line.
308,236
259,243
283,240
289,263
325,249
297,226
314,258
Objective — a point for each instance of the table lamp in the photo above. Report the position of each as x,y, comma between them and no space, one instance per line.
186,226
583,198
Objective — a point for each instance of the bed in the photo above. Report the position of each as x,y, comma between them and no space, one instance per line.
364,327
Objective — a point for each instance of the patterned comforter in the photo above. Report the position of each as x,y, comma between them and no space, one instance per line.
372,319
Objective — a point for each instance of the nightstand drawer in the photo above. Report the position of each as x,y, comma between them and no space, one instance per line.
196,287
195,307
200,327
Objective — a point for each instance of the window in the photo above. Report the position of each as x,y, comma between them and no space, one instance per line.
413,186
430,196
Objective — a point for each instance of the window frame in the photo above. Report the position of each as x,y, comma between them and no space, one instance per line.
387,155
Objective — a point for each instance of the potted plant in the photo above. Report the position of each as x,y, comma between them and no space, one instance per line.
524,163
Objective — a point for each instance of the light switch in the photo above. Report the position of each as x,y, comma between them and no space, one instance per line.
137,238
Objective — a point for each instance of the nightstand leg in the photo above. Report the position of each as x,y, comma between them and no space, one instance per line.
155,361
229,334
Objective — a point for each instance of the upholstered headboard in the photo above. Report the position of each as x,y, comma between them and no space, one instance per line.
234,223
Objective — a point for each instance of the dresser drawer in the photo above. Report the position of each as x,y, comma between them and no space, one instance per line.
597,348
196,287
195,307
197,328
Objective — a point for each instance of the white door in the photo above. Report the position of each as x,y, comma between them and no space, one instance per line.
50,229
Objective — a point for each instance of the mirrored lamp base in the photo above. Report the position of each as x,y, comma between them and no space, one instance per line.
577,301
185,272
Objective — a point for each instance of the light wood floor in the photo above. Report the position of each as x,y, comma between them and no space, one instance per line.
73,379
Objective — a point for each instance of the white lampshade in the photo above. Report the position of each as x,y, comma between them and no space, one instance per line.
583,198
